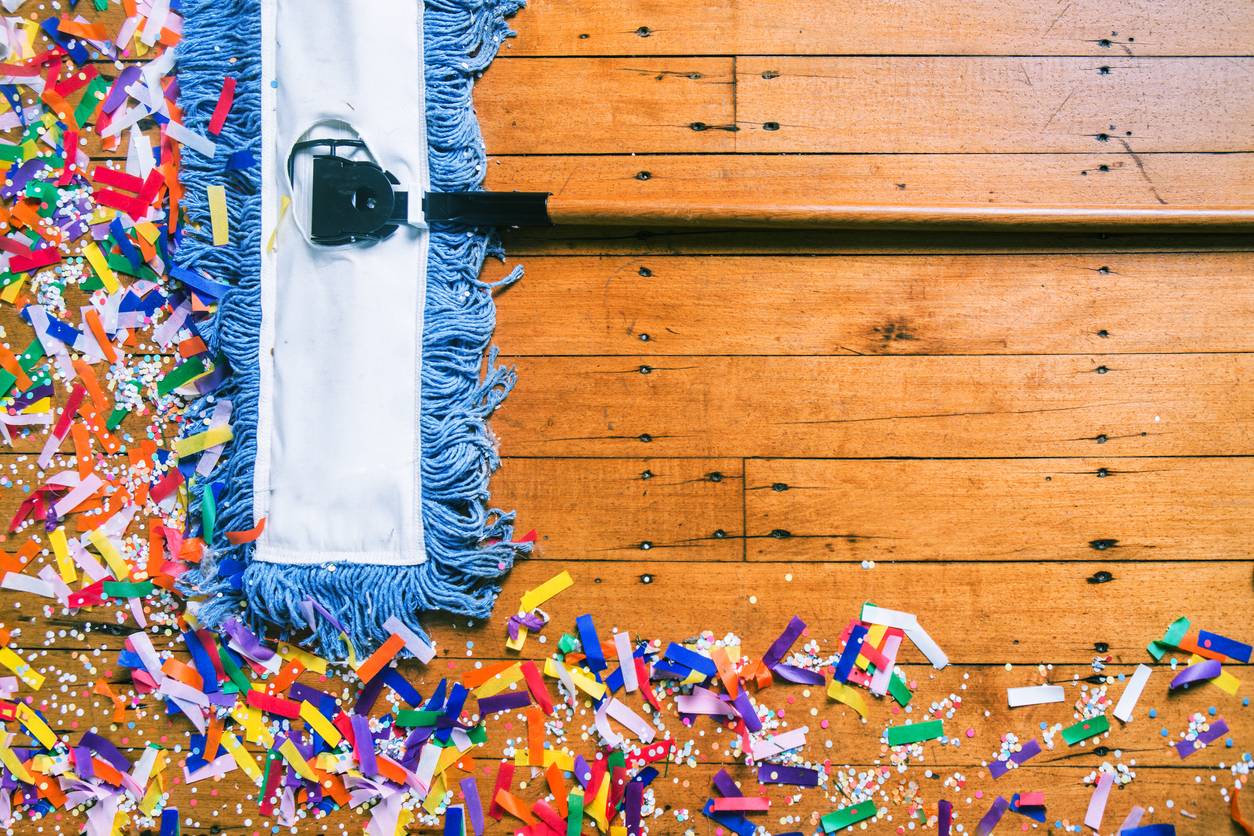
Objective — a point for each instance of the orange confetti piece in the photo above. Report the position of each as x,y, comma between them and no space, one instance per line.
93,386
98,331
379,659
82,449
514,806
236,538
535,736
183,673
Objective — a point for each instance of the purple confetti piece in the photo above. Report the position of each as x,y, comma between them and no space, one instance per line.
776,652
799,675
504,702
1208,669
327,615
248,642
944,817
634,801
745,709
117,94
775,774
474,807
583,773
301,693
1030,750
986,825
105,750
82,763
370,693
1217,730
724,784
365,745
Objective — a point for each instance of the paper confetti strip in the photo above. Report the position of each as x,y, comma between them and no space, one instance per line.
1132,693
1035,695
915,732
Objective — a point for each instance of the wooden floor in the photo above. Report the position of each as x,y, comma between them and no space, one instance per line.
1040,443
717,430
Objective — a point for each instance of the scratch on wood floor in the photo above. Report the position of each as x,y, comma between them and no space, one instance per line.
1144,173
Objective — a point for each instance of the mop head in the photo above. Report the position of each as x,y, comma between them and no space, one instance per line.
467,544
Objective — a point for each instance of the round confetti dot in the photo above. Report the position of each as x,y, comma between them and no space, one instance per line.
1153,713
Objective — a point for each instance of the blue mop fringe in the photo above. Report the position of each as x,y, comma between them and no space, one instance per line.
468,543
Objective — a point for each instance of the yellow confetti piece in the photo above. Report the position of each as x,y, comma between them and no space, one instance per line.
292,756
545,591
250,718
15,766
448,757
13,289
500,682
36,726
151,799
597,808
587,684
319,723
24,671
616,830
274,234
200,442
218,216
563,760
521,758
311,662
97,261
403,820
872,639
242,757
59,547
110,553
843,693
149,230
436,797
39,407
1224,682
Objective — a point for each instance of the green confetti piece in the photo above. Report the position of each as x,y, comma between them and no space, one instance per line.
271,757
27,360
42,190
11,153
185,373
233,671
841,819
566,643
916,732
409,717
208,513
1085,729
479,734
90,101
115,418
899,690
574,811
119,589
618,759
1170,639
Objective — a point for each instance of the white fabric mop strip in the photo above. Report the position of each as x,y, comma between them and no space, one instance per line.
338,467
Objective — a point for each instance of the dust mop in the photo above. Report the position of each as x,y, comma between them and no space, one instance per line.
354,494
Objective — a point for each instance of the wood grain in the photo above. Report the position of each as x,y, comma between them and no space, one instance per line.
807,27
875,407
608,106
1114,177
998,510
981,105
988,304
625,509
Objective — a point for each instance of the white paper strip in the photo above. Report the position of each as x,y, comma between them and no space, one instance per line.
780,743
1132,693
426,765
907,623
608,735
564,676
171,687
640,727
152,663
1035,695
78,495
25,583
413,642
622,641
880,679
190,138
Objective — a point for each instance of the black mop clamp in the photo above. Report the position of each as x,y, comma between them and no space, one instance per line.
357,200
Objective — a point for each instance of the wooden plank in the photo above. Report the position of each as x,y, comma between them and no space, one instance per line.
875,407
1114,177
991,613
799,27
539,106
1025,509
980,105
1049,304
615,509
